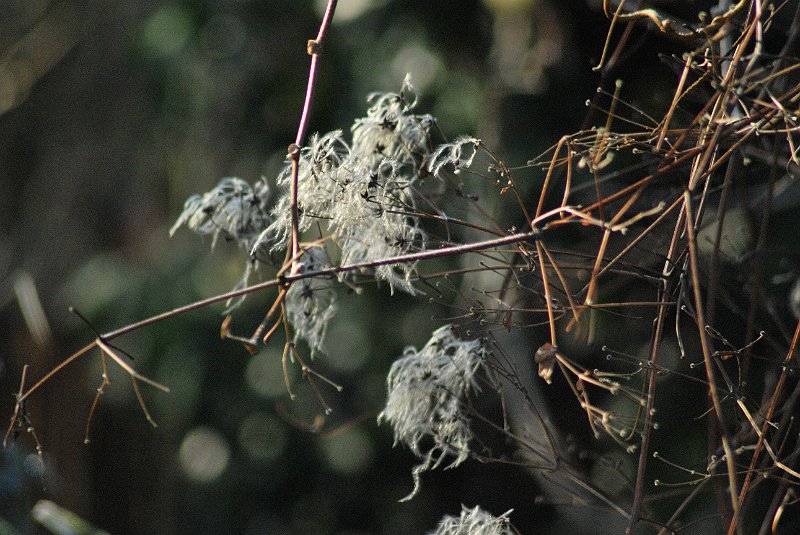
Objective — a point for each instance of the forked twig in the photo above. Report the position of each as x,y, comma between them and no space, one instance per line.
20,420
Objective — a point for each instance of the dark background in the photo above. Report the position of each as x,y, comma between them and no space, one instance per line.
111,114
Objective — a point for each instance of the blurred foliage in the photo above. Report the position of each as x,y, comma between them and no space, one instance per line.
111,114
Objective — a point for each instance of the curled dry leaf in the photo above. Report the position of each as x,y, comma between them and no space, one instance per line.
545,357
225,328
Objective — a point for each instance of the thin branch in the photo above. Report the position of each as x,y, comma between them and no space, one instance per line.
314,49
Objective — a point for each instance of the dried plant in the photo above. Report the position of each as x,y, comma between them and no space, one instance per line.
427,391
631,287
474,521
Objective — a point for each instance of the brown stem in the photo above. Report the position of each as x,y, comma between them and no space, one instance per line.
291,277
314,50
694,271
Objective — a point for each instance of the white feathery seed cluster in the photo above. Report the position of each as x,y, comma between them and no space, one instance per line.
427,389
459,154
233,209
360,195
475,521
311,303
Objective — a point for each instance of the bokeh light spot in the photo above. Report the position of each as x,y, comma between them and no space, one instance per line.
167,31
421,63
264,374
204,454
263,437
347,452
348,9
348,346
